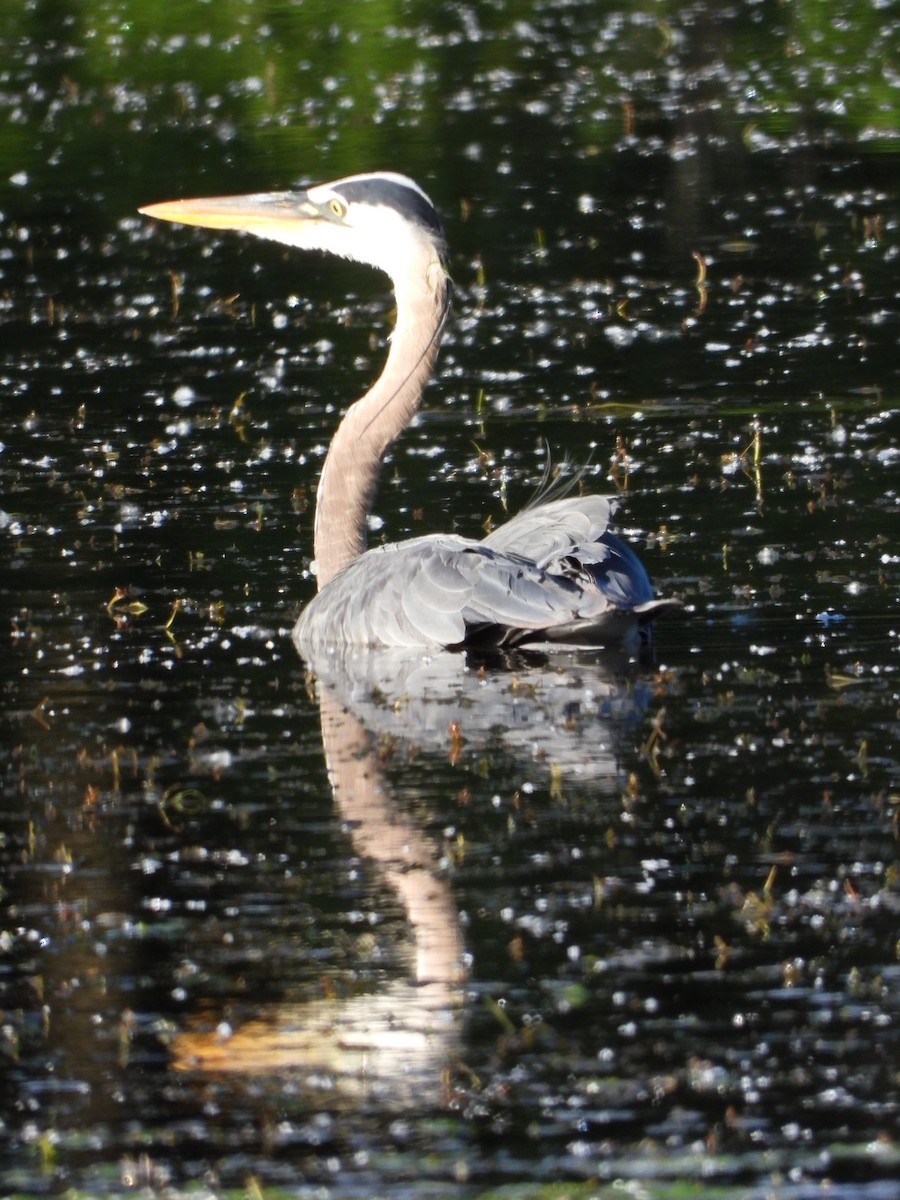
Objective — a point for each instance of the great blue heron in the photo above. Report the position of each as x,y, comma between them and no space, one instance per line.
554,573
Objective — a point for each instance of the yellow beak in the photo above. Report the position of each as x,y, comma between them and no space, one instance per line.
267,214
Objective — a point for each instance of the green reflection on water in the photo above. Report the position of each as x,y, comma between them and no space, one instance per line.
241,94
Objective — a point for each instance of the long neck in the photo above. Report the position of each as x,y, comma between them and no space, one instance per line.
372,424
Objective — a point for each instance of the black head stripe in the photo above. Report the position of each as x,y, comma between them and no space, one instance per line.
393,193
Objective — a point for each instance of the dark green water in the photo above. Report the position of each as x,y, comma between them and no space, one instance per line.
674,882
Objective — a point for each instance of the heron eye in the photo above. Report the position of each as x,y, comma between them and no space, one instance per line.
338,208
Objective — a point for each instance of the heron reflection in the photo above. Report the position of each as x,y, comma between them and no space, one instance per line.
565,716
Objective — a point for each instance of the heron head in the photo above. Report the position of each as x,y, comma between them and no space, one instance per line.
381,218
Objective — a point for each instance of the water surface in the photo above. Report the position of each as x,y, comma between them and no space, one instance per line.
655,900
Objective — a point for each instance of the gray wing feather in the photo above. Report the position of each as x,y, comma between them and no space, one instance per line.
553,572
550,530
434,594
517,594
401,594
